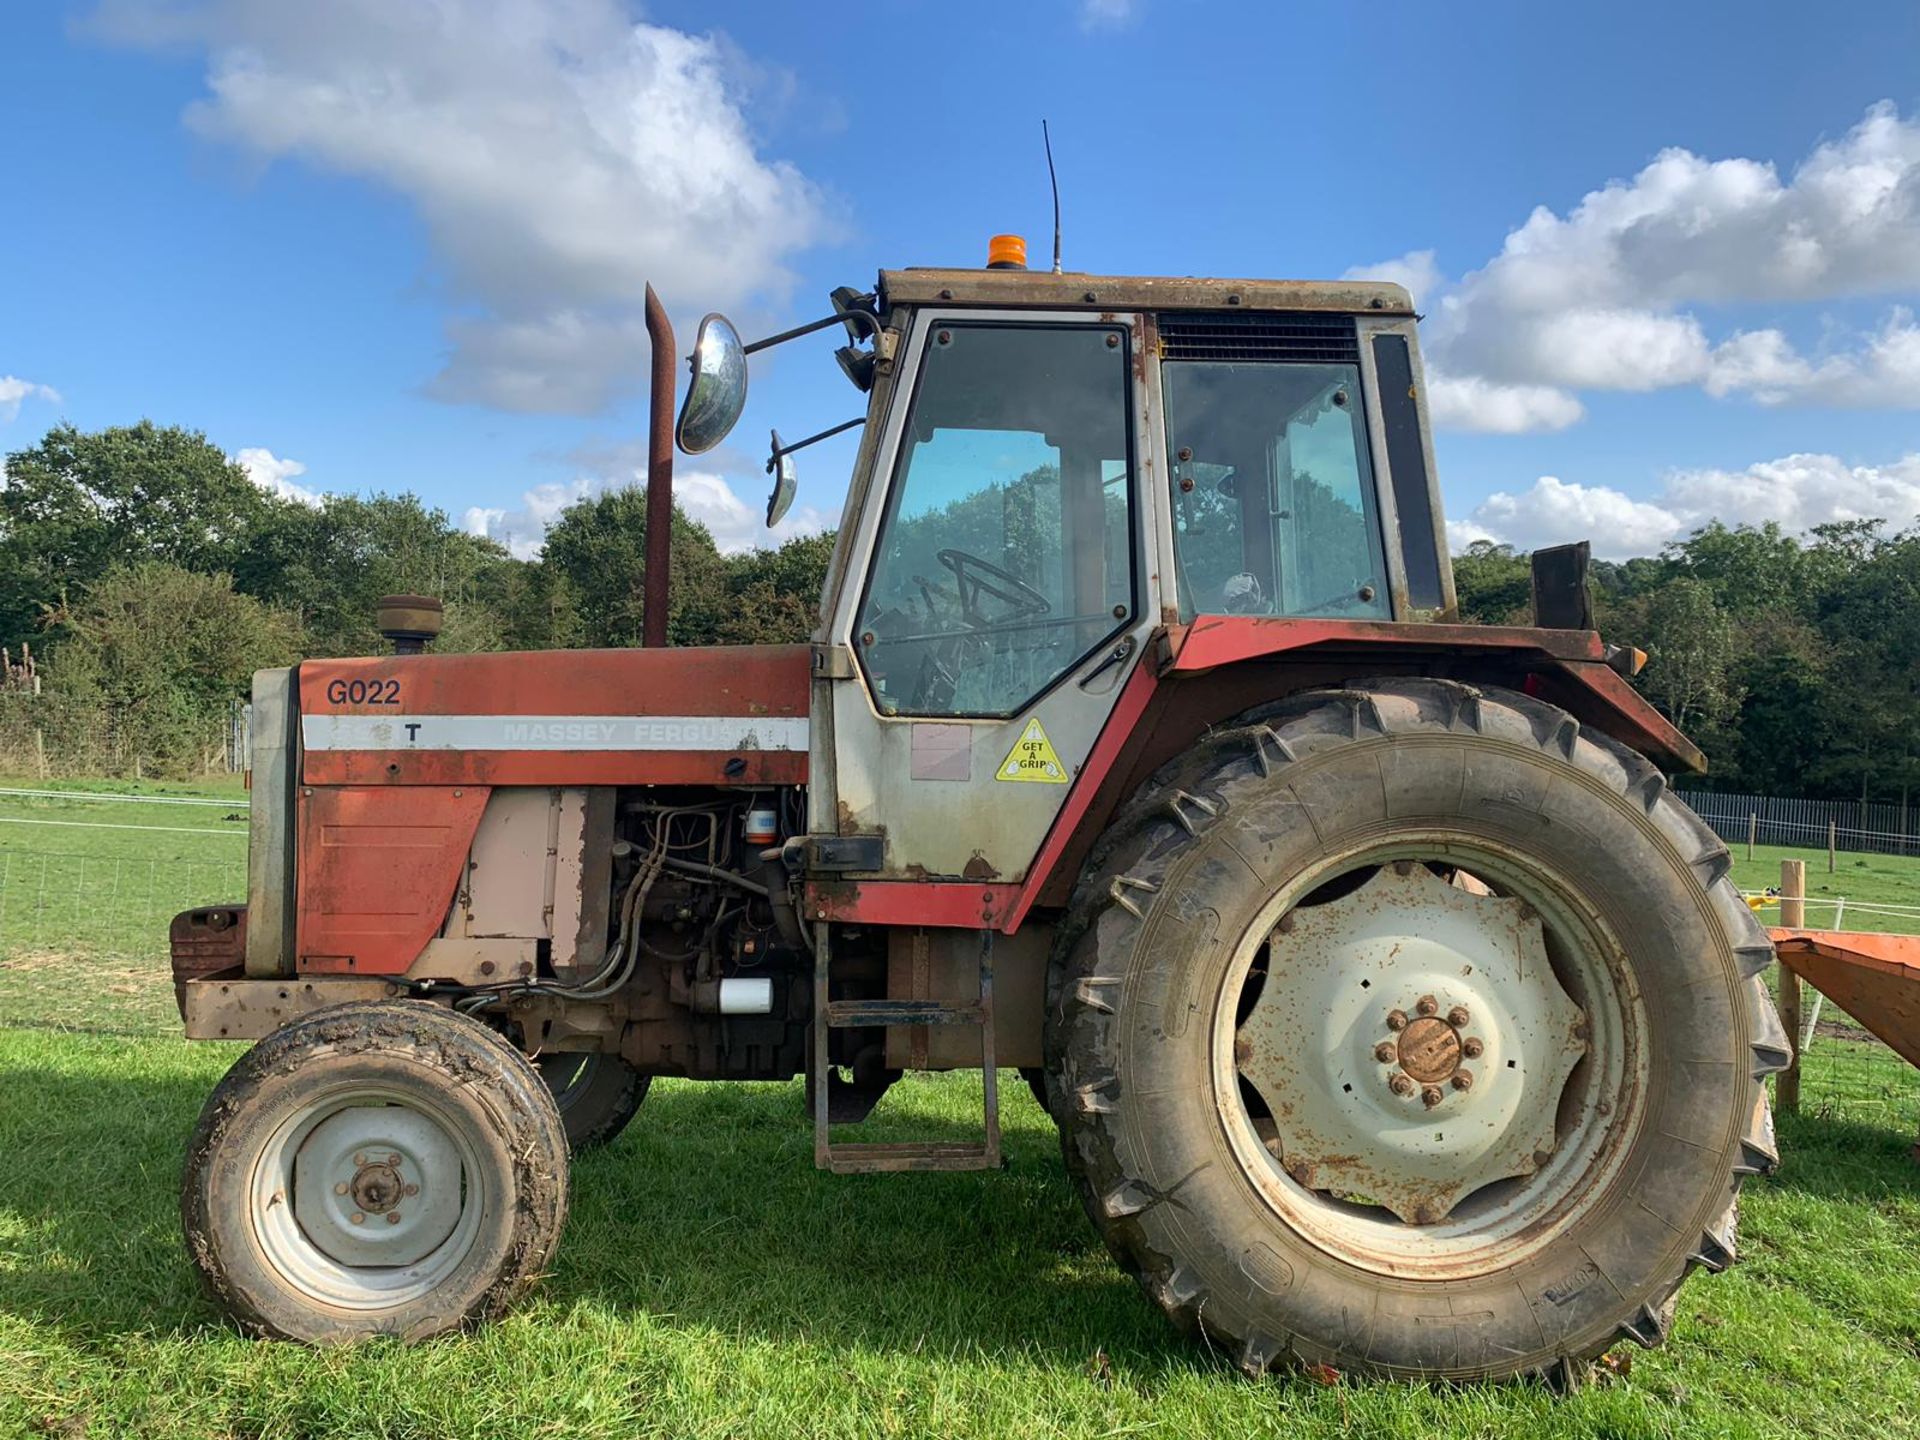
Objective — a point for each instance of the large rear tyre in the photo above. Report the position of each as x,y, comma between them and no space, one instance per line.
597,1095
1413,1030
386,1168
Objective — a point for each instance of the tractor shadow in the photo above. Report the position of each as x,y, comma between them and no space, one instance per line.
706,1213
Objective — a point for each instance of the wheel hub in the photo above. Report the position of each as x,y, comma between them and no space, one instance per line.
1429,1051
1411,1042
377,1185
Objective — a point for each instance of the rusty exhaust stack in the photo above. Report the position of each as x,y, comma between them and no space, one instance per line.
659,475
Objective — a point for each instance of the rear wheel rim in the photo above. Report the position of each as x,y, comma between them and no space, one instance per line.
368,1198
1333,1032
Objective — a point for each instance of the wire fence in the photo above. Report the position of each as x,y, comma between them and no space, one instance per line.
50,737
117,905
1879,828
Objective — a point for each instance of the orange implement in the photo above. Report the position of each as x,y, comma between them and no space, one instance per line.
1874,978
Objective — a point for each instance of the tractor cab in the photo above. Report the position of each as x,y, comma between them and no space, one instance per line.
1061,478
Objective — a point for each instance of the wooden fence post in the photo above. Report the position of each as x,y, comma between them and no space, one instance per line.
1793,916
40,750
1753,827
1830,846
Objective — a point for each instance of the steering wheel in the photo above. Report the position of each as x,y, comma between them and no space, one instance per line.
976,577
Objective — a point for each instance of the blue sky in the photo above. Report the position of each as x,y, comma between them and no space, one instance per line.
1669,254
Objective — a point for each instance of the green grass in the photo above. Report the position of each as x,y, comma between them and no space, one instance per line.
104,878
1862,880
712,1283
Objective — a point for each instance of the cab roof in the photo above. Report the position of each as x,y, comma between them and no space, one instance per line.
1038,289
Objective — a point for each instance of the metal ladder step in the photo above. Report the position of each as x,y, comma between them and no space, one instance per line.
850,1159
868,1156
843,1014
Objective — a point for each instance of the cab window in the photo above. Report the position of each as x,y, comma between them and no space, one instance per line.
1005,555
1273,499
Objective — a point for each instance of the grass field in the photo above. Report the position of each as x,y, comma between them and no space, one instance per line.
712,1283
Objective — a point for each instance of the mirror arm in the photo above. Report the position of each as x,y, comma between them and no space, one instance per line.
785,450
837,318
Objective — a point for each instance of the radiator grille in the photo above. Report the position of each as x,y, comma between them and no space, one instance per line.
1302,338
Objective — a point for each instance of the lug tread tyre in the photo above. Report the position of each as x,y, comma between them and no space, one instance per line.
1129,872
600,1104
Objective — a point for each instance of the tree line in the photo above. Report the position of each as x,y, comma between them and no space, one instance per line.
150,577
1794,663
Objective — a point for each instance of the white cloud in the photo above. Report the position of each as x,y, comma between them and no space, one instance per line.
1105,14
1418,270
703,495
560,156
1599,299
523,530
275,475
14,390
1472,403
1797,491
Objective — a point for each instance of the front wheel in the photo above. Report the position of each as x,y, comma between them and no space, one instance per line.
388,1168
1413,1030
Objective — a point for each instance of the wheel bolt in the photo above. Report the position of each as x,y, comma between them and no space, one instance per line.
1431,1096
356,1217
1471,1047
1456,1017
1463,1079
1385,1052
413,1189
394,1160
359,1159
341,1188
1401,1084
1427,1005
393,1217
1396,1020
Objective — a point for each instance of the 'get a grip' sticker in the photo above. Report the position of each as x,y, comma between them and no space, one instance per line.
1032,758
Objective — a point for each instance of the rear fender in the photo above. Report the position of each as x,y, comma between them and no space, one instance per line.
1221,666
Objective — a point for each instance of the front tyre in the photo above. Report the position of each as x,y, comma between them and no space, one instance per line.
386,1168
1413,1030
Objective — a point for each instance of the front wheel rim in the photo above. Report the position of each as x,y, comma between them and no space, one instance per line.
1343,1099
368,1198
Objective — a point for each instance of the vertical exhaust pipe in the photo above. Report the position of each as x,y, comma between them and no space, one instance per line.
659,558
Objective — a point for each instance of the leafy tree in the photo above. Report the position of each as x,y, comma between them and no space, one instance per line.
159,653
79,503
1690,645
1493,585
331,563
596,550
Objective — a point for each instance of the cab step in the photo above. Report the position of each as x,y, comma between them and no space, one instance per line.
893,1156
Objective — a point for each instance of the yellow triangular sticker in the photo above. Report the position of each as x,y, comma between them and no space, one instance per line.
1032,758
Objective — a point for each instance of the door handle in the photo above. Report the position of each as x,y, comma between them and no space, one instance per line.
1118,655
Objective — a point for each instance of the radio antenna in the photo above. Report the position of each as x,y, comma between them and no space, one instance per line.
1054,180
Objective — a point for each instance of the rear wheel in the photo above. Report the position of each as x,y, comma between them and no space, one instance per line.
597,1095
1414,1030
374,1169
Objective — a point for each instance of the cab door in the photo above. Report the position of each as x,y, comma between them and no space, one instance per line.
998,589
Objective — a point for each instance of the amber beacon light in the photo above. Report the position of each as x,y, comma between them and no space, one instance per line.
1007,252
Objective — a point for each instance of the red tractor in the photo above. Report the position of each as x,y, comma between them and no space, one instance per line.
1394,1013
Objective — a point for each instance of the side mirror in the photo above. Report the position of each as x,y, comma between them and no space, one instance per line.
784,482
718,391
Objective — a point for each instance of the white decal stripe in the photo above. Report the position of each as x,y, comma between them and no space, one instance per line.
552,732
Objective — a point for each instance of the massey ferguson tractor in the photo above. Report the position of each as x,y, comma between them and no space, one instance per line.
1394,1013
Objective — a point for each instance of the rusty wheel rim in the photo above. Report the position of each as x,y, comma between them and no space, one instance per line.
1406,1117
